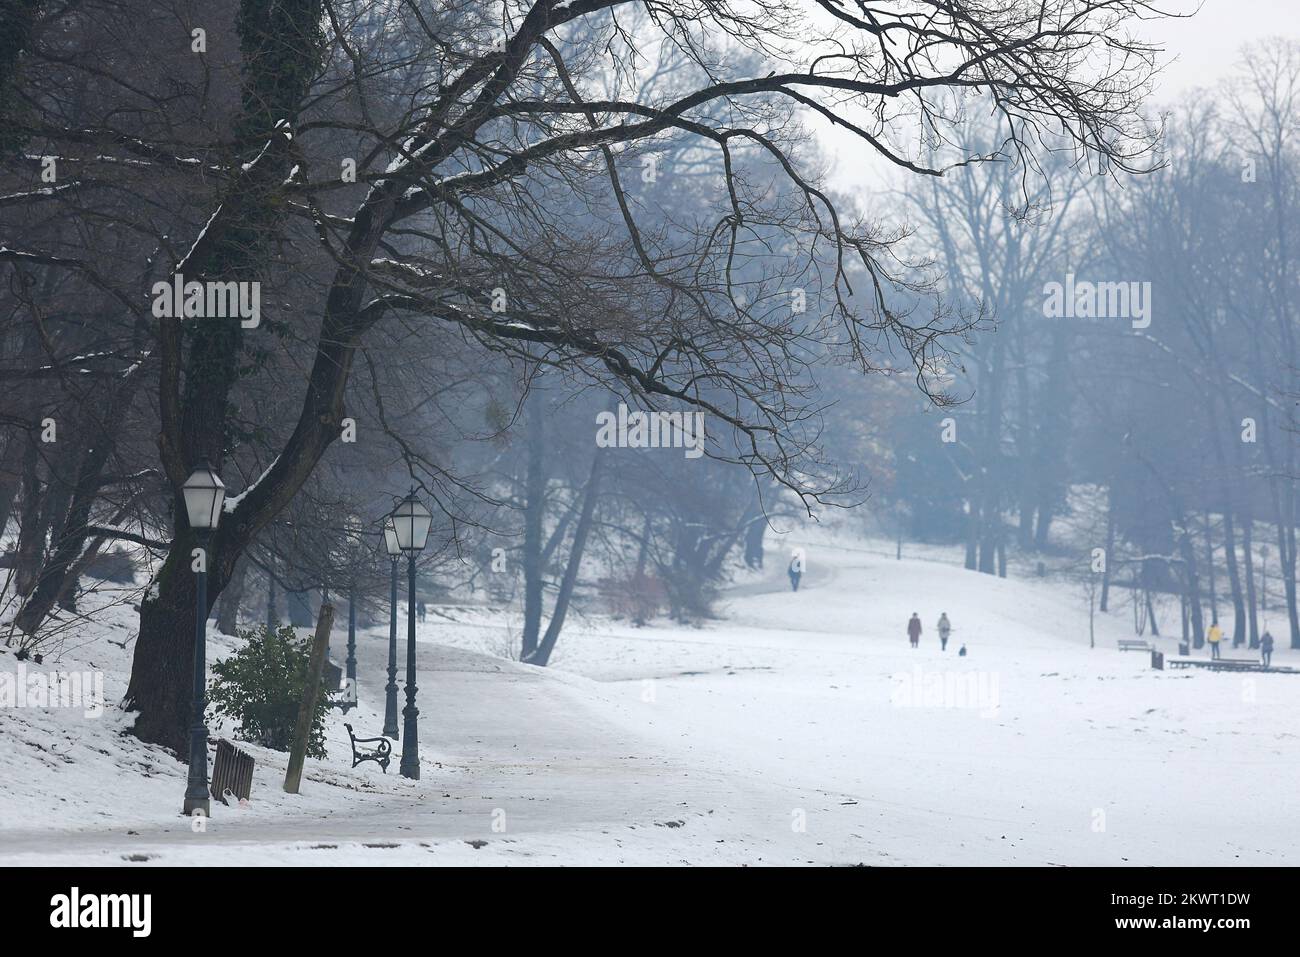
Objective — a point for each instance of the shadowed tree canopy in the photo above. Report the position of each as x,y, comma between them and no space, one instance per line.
423,182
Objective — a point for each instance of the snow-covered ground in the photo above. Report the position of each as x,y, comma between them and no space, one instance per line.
798,728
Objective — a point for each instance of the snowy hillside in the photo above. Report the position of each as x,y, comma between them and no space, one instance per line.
798,728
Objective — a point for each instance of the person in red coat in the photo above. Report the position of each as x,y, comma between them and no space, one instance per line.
914,630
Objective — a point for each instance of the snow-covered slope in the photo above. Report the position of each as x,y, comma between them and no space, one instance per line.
798,728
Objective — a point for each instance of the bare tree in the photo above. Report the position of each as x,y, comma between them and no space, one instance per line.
495,151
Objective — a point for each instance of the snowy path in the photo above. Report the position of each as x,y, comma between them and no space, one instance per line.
514,757
799,729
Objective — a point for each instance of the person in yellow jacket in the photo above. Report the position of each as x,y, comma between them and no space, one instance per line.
1214,636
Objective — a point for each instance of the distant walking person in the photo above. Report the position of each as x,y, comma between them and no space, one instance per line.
914,630
795,571
1214,636
945,629
1266,648
420,611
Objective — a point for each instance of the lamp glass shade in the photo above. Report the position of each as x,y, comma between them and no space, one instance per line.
411,521
205,494
390,538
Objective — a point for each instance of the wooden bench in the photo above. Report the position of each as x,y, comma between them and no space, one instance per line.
379,754
1229,664
1133,644
1218,664
232,773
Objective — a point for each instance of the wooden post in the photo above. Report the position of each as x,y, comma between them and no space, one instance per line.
302,734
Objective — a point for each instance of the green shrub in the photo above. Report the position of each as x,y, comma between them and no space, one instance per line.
262,686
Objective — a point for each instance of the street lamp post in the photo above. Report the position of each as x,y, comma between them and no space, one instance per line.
350,684
354,546
204,496
411,521
390,702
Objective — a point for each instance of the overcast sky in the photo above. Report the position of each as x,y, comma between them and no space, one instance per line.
1206,45
1199,50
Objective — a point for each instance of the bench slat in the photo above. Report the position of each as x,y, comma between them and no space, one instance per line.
232,770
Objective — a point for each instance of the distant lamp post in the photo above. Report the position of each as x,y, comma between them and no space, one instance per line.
411,521
390,702
204,494
353,550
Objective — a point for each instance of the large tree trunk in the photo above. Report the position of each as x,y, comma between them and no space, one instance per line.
753,524
31,531
972,536
281,45
643,603
991,471
1248,557
1226,476
1191,581
1109,555
231,598
1286,545
534,509
162,670
559,533
1283,480
1280,481
988,543
1053,429
570,579
1210,568
756,530
1026,448
18,24
1234,579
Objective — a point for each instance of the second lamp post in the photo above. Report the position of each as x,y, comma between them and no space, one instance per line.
204,495
411,521
390,700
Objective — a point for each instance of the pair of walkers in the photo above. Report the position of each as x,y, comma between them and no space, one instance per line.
1214,636
914,630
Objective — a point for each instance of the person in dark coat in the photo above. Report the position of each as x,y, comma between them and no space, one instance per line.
795,571
945,629
420,611
1266,648
914,630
